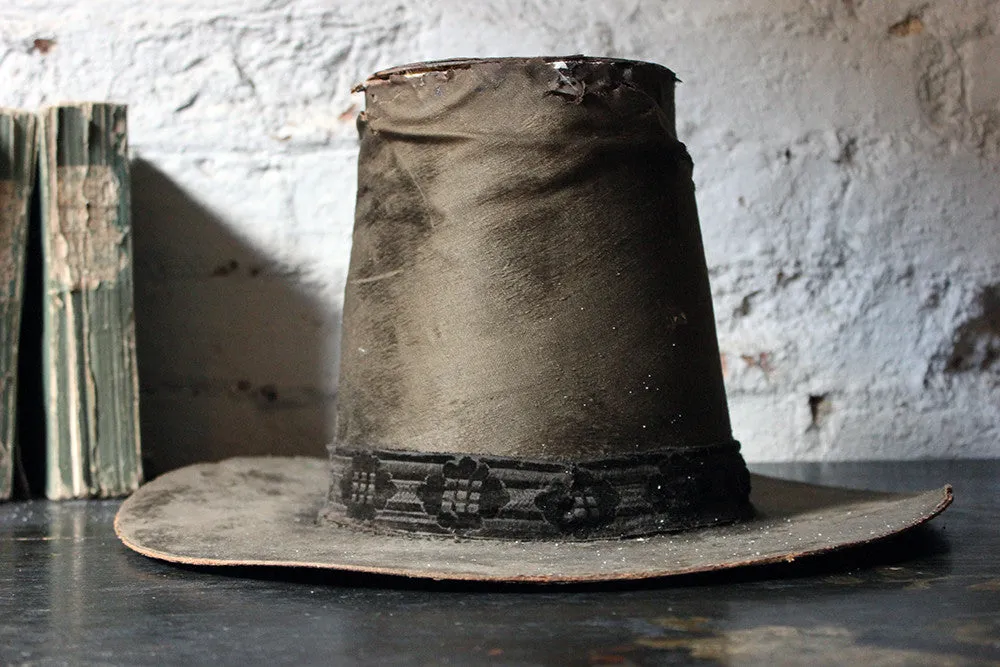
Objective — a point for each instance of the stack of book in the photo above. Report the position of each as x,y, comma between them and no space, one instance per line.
88,344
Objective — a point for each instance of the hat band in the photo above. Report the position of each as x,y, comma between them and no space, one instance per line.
497,497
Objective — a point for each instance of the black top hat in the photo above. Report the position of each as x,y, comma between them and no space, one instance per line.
528,358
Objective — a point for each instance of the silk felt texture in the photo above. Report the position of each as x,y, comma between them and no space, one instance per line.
527,289
527,276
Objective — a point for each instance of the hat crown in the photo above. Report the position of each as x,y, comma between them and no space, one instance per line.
527,279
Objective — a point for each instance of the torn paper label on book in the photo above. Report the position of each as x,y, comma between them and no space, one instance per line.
85,236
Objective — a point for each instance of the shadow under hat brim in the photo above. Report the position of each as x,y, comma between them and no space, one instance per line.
262,511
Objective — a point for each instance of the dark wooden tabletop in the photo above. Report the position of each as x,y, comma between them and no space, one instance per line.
71,594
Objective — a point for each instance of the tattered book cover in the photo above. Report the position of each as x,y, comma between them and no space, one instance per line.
18,155
91,381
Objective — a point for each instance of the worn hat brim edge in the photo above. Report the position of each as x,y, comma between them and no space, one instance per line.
261,511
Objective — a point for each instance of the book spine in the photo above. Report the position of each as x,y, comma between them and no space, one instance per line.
88,349
18,153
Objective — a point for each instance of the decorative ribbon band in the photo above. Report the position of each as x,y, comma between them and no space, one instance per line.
496,497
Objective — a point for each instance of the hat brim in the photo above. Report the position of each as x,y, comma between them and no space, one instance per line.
262,511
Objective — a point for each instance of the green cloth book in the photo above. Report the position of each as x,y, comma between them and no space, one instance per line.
18,154
88,347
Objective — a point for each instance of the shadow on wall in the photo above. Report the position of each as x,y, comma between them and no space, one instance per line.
235,356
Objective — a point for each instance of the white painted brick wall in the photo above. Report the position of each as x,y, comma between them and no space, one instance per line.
848,177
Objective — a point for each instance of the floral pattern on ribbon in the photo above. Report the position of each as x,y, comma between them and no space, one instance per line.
463,494
585,503
367,488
